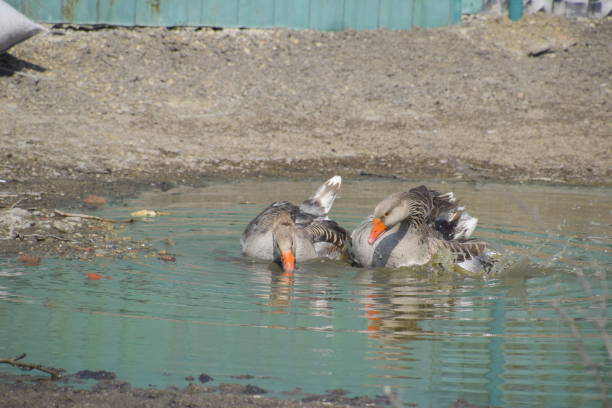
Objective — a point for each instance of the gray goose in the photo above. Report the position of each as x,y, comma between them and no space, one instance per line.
409,228
286,233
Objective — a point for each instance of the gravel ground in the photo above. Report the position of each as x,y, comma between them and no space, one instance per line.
111,111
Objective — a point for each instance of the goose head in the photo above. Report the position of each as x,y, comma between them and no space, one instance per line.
282,235
388,213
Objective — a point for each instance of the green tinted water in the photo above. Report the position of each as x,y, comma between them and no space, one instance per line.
533,336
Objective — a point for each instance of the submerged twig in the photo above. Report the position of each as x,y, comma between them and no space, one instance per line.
55,373
92,217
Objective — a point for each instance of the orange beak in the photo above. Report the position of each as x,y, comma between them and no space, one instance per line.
378,227
288,260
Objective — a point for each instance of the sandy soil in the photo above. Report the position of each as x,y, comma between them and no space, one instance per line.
493,99
114,110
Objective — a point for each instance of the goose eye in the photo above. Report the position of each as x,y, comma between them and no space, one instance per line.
386,214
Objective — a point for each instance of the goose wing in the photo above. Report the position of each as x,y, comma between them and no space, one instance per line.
443,213
329,239
264,220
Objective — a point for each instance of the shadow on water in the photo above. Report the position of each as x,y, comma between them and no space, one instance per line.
532,334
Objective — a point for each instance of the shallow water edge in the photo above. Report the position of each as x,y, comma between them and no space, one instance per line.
369,327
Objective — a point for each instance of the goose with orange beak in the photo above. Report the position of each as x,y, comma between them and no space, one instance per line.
409,228
283,231
288,234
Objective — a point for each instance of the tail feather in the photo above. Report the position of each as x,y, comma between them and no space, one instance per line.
322,200
465,226
466,250
450,218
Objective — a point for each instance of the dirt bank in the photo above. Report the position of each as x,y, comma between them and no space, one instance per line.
488,99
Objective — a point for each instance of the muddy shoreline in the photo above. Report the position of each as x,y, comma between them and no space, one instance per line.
114,110
107,391
489,99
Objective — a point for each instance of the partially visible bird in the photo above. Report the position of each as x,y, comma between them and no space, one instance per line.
287,233
409,228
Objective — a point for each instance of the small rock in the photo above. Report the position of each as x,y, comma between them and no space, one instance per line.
63,226
254,390
167,257
204,378
15,219
96,375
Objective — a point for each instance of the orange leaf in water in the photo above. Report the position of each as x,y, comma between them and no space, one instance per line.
94,276
29,260
167,257
94,200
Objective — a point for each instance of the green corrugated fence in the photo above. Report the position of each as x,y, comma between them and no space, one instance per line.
328,15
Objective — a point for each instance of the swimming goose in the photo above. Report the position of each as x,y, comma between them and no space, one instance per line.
409,228
286,233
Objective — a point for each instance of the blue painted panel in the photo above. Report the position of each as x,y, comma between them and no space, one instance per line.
361,14
471,6
117,12
396,14
174,13
75,10
13,3
147,12
315,14
256,13
292,14
193,10
219,13
432,13
455,12
42,11
327,15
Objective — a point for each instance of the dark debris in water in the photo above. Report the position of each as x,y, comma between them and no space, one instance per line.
250,389
95,375
204,378
243,376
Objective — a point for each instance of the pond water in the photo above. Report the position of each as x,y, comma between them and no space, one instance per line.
535,334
